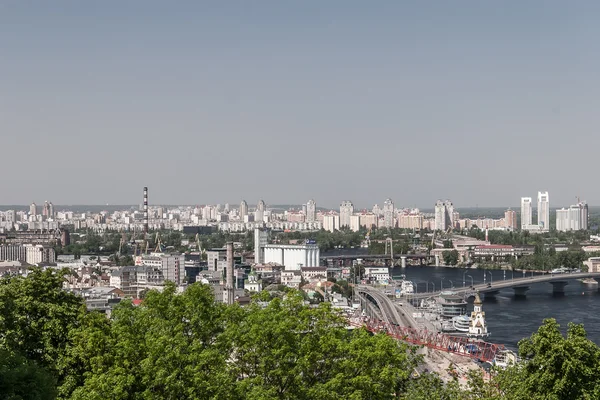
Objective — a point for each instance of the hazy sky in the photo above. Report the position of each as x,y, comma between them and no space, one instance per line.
481,102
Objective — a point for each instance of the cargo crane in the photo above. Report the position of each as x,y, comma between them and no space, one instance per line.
200,249
158,248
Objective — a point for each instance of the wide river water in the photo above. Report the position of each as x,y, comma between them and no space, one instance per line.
511,319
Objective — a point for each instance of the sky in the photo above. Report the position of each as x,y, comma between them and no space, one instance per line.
479,102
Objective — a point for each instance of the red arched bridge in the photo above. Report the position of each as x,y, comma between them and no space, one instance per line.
459,345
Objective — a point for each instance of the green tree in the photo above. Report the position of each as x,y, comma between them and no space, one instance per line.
22,379
554,367
450,257
167,348
36,315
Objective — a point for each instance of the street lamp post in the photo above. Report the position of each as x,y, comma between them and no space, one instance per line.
451,284
433,283
441,284
491,277
471,280
464,277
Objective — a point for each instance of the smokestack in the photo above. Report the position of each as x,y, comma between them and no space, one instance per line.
228,293
145,210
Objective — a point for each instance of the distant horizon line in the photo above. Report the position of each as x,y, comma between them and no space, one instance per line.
516,207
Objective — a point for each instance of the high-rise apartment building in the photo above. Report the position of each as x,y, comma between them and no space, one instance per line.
388,214
346,210
261,238
574,218
331,222
584,216
243,210
33,209
543,211
311,211
510,220
444,213
526,213
259,215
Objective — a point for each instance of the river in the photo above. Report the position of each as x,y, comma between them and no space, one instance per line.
511,319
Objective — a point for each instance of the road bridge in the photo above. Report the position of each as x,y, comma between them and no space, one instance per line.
402,326
519,285
346,259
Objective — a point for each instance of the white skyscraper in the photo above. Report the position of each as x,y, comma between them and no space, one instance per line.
543,211
444,214
259,215
573,218
388,213
311,211
526,213
243,210
346,210
261,238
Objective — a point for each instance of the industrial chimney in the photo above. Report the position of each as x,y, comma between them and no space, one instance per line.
228,293
145,210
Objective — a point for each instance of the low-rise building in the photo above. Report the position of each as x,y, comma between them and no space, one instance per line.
291,278
379,274
310,273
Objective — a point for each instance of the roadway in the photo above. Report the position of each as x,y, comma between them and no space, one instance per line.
392,313
495,286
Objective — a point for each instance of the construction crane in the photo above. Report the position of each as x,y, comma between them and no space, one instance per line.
121,243
158,247
200,249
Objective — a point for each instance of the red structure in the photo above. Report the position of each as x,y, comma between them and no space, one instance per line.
460,345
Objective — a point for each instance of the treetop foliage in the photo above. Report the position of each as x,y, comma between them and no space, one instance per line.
187,346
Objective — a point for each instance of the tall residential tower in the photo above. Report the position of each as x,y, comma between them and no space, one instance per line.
388,214
526,213
311,211
543,211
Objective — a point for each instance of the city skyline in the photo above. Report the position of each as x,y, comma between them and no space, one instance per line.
282,101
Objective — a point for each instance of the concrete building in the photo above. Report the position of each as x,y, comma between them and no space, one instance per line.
331,222
36,254
574,218
369,220
261,238
243,210
311,211
355,223
346,210
259,214
33,210
293,257
291,278
12,252
380,274
526,213
510,220
310,273
172,266
444,214
543,211
388,214
410,220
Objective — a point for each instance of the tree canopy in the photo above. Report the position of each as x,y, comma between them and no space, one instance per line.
187,346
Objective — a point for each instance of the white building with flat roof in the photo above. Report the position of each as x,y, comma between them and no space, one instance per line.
293,257
543,211
526,213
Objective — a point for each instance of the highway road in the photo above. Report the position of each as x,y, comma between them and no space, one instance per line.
393,313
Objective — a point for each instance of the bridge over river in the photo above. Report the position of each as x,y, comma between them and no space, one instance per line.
395,319
519,285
